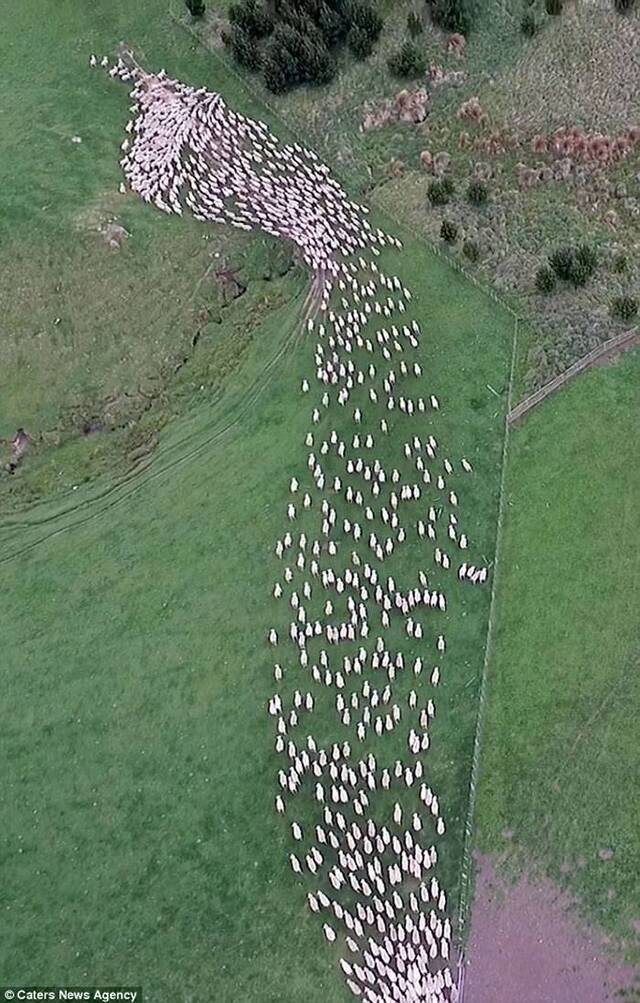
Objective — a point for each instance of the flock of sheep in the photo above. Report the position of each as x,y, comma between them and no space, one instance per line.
359,645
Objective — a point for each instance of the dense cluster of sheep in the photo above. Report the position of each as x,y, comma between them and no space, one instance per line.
359,644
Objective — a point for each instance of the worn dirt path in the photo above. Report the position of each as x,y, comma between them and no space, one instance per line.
527,946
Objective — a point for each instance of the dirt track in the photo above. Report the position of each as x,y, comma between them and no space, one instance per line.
527,946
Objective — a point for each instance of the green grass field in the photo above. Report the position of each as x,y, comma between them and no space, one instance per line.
89,332
140,836
139,839
560,748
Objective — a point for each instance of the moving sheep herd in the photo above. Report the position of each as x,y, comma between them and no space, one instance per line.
353,636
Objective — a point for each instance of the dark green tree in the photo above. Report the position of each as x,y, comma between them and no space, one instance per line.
477,192
453,15
277,71
471,250
562,261
439,191
195,7
360,43
243,46
545,279
449,231
251,17
365,17
408,61
624,308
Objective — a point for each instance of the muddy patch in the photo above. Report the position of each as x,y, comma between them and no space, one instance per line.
528,946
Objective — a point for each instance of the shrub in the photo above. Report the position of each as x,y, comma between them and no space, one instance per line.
195,7
620,263
303,37
438,193
251,17
545,279
561,262
448,184
623,6
477,192
321,66
586,255
554,7
360,44
453,15
449,231
367,19
580,273
408,61
574,264
624,308
529,25
414,24
471,250
333,27
277,71
244,47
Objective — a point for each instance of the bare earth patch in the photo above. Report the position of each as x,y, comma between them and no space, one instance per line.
527,946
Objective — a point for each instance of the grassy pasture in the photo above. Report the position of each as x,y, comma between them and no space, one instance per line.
88,332
560,762
139,838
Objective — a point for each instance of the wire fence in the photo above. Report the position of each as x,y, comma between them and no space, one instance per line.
620,343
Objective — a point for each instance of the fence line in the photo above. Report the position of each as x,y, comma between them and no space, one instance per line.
619,343
469,829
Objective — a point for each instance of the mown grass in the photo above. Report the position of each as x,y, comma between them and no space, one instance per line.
560,762
139,836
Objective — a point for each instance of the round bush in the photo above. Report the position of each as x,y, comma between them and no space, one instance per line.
250,16
471,250
623,6
453,15
277,71
364,16
360,43
477,192
449,231
545,279
586,255
438,192
562,260
624,308
529,25
554,7
580,273
244,47
195,7
408,61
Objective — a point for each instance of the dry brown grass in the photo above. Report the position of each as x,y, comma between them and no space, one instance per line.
584,71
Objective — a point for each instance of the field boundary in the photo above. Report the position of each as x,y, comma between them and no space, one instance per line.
466,867
614,346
